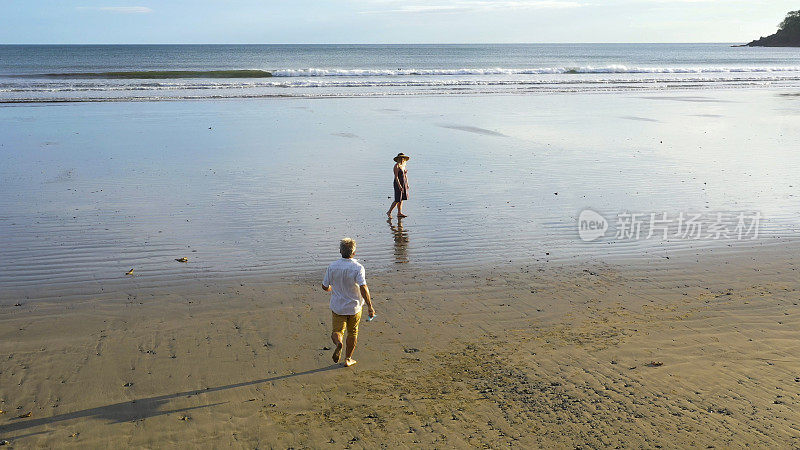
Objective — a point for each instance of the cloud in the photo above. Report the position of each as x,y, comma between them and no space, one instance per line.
118,9
455,6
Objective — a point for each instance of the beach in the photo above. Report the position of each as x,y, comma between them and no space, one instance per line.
698,350
501,321
267,187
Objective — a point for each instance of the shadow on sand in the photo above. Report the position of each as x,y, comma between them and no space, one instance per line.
144,407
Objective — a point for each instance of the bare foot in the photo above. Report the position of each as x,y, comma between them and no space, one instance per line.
401,215
337,353
389,213
349,362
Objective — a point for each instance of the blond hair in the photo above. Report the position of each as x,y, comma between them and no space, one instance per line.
347,247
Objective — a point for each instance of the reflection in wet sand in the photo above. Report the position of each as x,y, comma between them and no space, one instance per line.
123,191
400,241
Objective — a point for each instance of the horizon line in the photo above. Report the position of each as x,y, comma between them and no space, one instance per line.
361,43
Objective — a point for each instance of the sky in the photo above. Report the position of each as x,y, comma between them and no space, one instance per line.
387,21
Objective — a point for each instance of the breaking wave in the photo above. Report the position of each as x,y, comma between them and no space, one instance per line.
533,71
318,72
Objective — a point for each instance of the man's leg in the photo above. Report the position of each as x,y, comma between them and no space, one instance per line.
351,346
339,323
337,341
352,338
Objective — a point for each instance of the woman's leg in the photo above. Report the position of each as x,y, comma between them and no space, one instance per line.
389,213
400,209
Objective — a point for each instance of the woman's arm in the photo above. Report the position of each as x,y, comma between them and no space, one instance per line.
396,176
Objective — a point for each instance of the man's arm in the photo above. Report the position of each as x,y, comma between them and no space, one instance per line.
326,283
365,294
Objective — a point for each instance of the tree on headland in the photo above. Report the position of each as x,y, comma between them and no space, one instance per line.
791,22
788,34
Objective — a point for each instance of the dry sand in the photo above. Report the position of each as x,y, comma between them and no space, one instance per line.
544,355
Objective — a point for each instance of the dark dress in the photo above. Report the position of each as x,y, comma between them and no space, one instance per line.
401,186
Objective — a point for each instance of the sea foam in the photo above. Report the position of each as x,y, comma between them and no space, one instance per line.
317,72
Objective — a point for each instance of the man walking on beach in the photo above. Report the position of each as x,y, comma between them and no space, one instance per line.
345,278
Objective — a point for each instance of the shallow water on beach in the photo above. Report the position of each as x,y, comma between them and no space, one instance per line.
267,187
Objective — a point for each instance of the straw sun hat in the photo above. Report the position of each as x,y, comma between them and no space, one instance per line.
401,156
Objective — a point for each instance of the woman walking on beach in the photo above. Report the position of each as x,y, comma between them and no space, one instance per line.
400,184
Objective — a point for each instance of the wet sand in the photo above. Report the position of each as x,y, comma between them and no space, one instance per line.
268,187
700,349
497,325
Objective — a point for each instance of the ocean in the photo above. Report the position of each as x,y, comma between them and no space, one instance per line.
510,145
70,73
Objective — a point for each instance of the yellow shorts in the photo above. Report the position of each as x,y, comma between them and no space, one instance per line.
348,322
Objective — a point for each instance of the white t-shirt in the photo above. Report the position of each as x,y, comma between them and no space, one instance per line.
345,276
